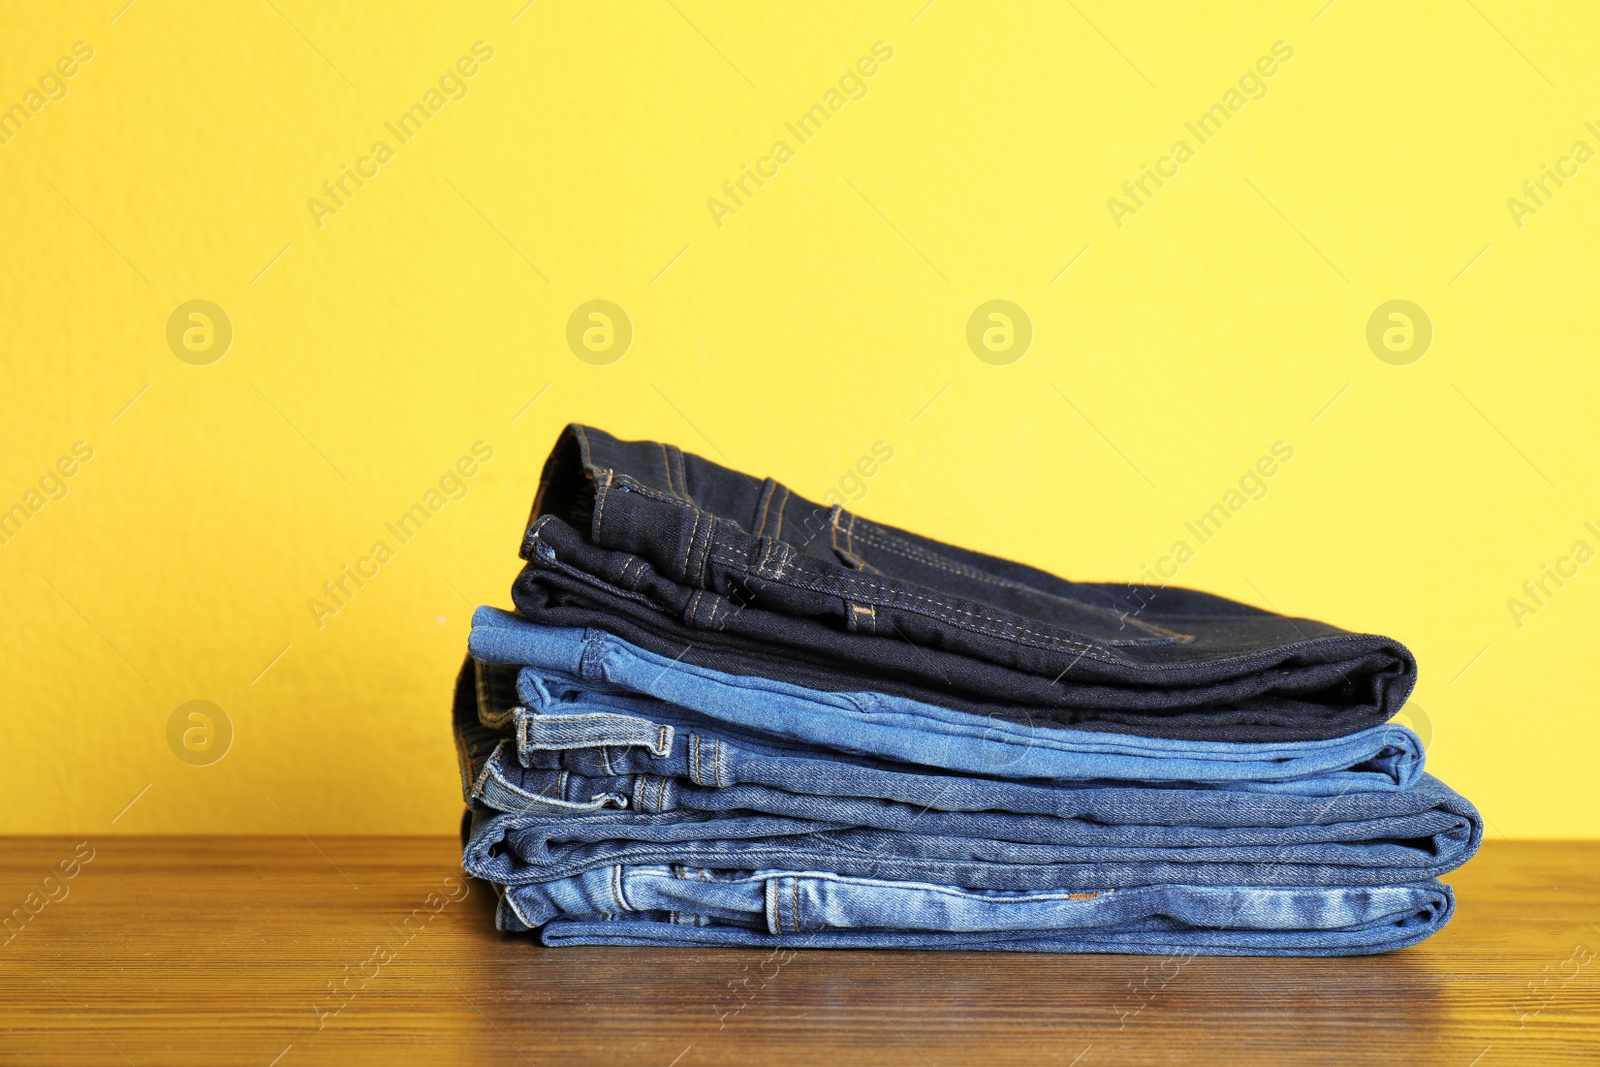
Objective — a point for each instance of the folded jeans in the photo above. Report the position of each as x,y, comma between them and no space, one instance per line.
690,559
675,905
798,902
1429,818
568,674
512,849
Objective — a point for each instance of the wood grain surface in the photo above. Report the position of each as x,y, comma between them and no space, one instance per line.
198,950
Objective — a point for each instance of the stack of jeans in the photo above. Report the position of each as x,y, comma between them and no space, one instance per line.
724,715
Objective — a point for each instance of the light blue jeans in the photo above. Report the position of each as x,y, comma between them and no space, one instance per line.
583,688
675,905
581,809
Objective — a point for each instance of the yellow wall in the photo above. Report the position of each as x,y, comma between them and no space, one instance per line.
374,345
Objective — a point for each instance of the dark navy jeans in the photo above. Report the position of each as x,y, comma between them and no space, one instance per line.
691,560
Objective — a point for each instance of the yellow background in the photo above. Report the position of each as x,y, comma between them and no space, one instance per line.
1229,313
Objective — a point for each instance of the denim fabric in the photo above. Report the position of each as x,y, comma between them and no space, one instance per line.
1423,831
1433,820
1430,816
1161,920
688,795
535,847
692,560
589,686
1153,940
802,902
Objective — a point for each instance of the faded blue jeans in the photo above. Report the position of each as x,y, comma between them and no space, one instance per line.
524,848
621,797
675,905
614,816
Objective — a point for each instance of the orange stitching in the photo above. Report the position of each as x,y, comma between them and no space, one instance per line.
890,543
890,596
688,545
683,478
666,465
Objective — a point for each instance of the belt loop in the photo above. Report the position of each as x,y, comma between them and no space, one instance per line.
592,730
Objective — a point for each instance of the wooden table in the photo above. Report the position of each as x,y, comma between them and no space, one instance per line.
177,950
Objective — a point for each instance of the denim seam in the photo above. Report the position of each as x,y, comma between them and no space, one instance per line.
928,558
464,762
555,564
498,720
979,623
479,685
794,888
603,491
616,888
676,871
507,900
676,455
666,465
1319,644
770,899
477,786
707,542
888,542
688,544
758,519
641,782
778,533
626,483
594,803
